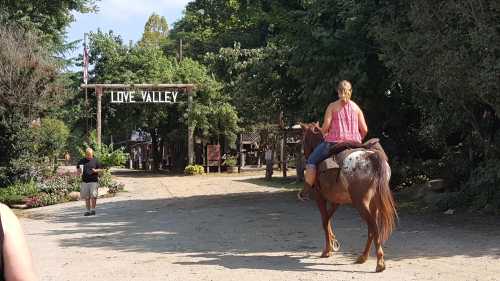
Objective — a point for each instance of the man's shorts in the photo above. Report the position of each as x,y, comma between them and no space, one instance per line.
88,190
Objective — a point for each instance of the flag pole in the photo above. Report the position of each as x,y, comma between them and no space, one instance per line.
85,81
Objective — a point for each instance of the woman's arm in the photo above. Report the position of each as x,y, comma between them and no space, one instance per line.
327,120
363,128
16,254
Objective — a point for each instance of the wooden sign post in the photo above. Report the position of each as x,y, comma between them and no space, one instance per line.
213,156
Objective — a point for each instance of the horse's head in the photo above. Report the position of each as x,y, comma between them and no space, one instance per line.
312,136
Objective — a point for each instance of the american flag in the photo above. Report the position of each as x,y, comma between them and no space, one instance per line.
85,64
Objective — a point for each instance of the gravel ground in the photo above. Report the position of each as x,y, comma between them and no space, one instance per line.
236,228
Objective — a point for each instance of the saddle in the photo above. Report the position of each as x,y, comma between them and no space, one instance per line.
340,151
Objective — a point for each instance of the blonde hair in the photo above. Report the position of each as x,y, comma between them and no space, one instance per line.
89,152
344,89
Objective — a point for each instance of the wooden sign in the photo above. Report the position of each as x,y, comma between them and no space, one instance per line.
213,155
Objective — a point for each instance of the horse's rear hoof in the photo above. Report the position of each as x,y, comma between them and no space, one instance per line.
361,260
326,254
380,268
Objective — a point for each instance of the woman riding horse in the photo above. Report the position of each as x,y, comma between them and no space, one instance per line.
361,180
344,122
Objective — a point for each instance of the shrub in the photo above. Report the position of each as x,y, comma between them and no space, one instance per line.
14,194
44,199
105,179
52,137
51,199
34,202
12,199
106,154
194,170
54,185
230,161
482,190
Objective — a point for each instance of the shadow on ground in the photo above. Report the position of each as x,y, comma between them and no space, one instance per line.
287,183
252,230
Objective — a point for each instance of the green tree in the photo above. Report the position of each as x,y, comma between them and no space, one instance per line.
47,19
29,87
208,25
52,136
445,57
155,31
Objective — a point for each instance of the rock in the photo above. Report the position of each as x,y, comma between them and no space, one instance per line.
19,206
436,185
103,191
74,196
449,212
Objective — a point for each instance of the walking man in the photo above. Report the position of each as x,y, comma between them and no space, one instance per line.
90,179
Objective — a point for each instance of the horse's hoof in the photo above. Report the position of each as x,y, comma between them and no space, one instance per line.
361,259
380,267
336,245
326,254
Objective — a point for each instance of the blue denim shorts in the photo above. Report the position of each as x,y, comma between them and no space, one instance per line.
320,153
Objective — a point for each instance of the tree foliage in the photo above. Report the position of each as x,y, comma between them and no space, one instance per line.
155,31
29,87
47,19
426,73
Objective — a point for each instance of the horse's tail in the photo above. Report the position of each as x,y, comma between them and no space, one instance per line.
383,197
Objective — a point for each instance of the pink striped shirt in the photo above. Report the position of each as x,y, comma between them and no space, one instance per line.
344,126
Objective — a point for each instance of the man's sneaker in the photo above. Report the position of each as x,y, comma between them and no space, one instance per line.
87,213
92,213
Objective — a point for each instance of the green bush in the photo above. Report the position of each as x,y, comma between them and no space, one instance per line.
106,154
52,137
230,161
45,199
12,199
482,190
194,170
14,194
105,179
54,185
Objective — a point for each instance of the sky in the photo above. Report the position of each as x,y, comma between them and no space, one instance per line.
124,17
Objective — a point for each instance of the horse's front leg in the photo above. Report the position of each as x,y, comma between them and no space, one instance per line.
325,221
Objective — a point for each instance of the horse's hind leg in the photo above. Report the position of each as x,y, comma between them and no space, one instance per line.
334,244
376,238
370,216
325,221
366,252
367,217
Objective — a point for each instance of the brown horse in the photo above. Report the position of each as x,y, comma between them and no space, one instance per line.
363,181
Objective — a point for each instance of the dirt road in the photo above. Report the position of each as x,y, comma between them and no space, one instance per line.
235,228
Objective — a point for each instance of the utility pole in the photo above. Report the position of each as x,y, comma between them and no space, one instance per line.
180,50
